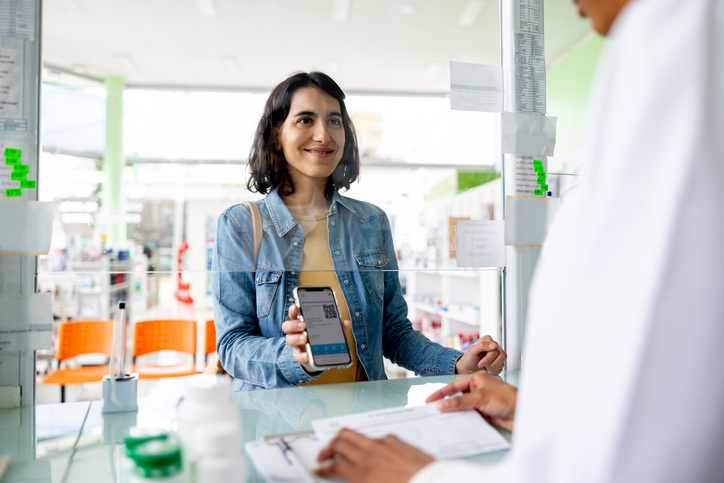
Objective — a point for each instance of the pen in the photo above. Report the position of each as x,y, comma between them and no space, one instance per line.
291,458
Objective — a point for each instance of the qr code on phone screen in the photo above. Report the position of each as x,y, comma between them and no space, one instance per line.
329,312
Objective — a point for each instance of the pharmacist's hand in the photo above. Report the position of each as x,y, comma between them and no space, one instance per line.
297,337
356,458
485,354
494,399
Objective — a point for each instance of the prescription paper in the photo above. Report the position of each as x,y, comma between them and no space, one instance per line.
443,435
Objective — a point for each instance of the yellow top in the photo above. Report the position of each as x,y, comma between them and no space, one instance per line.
318,271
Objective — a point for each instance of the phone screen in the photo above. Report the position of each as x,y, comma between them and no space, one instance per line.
324,327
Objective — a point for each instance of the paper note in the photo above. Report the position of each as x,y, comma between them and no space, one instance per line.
17,19
15,338
480,244
442,435
528,17
528,133
476,87
529,59
26,238
9,79
527,176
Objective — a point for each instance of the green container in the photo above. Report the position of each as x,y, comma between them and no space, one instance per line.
157,458
138,436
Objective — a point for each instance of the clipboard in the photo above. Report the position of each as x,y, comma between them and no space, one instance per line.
288,458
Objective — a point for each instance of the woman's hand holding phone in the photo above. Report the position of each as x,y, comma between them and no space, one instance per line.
295,329
297,337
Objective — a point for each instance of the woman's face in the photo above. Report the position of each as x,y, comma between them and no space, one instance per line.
312,136
601,12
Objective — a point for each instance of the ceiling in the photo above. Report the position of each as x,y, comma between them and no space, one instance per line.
376,46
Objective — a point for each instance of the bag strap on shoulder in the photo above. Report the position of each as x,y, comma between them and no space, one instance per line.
256,227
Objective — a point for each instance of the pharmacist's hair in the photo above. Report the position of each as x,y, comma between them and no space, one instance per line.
267,166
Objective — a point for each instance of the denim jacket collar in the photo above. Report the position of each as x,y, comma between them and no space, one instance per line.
282,217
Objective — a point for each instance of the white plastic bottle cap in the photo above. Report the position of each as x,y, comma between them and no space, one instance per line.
207,387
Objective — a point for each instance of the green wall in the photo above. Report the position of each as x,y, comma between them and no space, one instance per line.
568,84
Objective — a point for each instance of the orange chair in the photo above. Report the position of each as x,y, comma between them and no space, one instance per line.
76,338
209,340
164,335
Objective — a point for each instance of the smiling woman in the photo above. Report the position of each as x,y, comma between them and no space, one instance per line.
304,112
305,150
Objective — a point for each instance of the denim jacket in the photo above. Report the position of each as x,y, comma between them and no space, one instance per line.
251,302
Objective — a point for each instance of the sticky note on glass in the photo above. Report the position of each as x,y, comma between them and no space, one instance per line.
476,87
12,152
480,243
12,161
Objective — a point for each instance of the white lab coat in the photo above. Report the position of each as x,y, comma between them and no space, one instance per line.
623,368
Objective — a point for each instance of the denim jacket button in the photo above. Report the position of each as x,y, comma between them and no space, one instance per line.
346,281
336,252
294,273
332,223
356,314
291,299
362,346
296,244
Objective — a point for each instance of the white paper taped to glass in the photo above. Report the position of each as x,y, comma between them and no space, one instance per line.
480,243
476,87
25,227
443,435
528,133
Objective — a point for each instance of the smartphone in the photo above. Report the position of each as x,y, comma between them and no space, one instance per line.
327,344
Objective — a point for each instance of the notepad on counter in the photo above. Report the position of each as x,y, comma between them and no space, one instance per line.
443,435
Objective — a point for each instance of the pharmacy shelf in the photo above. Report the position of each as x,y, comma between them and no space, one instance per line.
470,319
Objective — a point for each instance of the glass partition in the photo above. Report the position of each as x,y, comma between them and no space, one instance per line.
423,168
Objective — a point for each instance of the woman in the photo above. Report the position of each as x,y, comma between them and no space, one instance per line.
304,151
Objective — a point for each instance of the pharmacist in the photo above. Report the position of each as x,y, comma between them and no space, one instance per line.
629,288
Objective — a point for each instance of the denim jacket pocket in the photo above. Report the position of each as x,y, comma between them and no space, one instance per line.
267,281
371,267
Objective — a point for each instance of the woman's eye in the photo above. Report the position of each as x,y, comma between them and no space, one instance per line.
304,120
335,122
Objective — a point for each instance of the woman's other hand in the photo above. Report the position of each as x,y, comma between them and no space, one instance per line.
297,337
494,399
484,354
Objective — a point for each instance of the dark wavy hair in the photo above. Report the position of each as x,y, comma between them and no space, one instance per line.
267,165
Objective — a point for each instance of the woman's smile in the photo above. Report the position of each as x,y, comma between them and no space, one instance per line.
320,152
